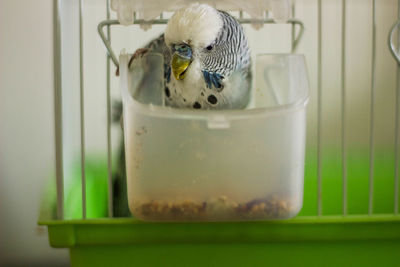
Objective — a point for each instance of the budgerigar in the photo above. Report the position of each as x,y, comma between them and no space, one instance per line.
206,59
206,66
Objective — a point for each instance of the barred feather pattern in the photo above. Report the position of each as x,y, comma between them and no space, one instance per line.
158,46
230,50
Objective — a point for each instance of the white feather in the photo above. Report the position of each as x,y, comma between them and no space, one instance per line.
188,88
197,25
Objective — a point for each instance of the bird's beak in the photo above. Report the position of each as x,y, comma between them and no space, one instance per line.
179,66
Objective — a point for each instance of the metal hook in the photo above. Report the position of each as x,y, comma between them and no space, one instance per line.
391,43
116,22
299,35
114,59
106,41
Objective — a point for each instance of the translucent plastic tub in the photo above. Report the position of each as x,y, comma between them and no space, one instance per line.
225,165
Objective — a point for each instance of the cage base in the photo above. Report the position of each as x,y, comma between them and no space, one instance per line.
331,240
343,253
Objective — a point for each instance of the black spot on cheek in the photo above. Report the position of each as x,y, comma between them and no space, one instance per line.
212,99
184,100
196,105
167,92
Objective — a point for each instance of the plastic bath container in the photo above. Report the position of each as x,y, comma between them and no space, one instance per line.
225,165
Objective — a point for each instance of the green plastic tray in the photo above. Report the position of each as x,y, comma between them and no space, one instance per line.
331,241
327,240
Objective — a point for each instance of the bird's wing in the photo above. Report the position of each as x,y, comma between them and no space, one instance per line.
158,45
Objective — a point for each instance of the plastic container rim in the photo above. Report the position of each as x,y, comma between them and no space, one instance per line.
175,113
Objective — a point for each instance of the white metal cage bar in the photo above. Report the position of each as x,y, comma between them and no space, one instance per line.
395,53
109,149
82,109
372,112
319,112
396,150
343,112
58,121
293,30
397,125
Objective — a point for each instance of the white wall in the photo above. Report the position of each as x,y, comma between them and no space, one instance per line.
26,131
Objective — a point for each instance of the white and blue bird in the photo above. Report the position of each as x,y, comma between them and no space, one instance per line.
206,59
206,66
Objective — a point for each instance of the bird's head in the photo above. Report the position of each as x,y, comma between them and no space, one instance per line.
190,32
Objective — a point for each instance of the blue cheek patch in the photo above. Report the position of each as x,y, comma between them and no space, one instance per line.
207,79
213,79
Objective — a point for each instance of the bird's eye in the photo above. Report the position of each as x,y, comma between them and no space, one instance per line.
210,47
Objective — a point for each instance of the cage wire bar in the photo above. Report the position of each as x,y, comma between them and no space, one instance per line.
82,109
343,112
109,149
293,31
395,53
106,38
372,113
58,121
319,112
396,165
397,123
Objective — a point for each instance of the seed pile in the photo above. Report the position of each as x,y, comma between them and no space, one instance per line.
217,209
